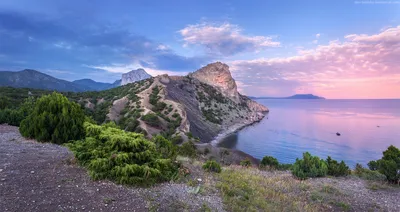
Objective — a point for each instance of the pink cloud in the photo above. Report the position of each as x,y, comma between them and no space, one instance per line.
225,39
362,66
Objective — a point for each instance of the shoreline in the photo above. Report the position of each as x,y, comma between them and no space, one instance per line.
233,129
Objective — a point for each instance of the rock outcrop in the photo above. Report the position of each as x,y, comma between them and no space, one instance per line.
218,75
134,76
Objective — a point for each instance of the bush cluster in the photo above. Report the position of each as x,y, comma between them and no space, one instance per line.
151,119
15,116
309,166
212,166
389,164
367,174
125,157
188,149
269,161
54,119
246,162
337,169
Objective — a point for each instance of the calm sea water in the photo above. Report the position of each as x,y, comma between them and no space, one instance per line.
367,128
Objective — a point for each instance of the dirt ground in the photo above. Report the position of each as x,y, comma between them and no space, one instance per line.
43,177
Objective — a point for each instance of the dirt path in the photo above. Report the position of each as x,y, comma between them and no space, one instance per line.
39,177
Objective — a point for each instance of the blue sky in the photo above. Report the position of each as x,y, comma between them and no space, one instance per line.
102,39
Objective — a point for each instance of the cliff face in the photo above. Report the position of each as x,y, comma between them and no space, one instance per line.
134,76
218,75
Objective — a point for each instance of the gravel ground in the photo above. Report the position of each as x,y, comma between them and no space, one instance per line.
359,194
43,177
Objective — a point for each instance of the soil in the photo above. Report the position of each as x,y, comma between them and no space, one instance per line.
44,177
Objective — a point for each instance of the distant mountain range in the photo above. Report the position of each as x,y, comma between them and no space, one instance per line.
29,78
296,96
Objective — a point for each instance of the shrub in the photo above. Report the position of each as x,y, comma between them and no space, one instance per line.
389,165
269,161
188,149
151,119
15,116
367,174
165,147
124,157
309,166
177,139
337,169
246,162
55,119
206,151
189,135
212,166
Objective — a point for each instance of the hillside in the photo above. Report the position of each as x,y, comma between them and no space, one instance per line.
174,106
34,79
181,107
93,85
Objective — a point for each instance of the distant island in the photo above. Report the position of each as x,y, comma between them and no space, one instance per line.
296,96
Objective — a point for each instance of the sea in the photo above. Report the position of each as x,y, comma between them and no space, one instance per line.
295,126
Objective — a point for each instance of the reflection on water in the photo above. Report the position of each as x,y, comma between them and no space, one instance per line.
367,128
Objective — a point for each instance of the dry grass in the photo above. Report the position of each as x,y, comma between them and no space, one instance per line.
247,189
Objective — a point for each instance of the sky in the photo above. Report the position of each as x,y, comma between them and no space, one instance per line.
338,49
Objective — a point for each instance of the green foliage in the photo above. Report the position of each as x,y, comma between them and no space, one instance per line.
11,117
246,162
212,166
124,157
188,149
373,165
189,135
151,119
15,116
165,147
269,161
389,165
309,166
177,139
5,102
367,174
54,118
337,169
211,116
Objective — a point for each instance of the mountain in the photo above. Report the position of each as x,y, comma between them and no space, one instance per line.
95,86
33,79
205,103
296,96
134,76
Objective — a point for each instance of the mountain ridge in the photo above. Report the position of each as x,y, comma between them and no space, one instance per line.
296,96
29,78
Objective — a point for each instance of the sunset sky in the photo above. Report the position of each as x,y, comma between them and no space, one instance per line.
331,48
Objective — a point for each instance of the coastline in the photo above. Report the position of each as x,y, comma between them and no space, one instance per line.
234,128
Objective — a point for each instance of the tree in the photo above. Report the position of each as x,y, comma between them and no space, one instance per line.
389,165
54,119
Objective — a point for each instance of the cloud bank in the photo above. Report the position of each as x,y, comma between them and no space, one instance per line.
364,66
225,39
